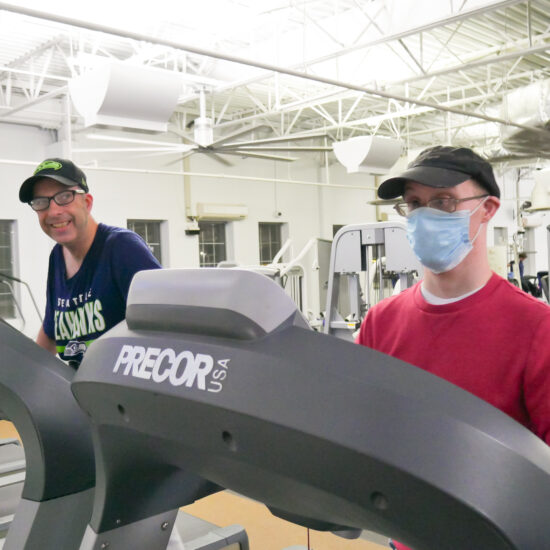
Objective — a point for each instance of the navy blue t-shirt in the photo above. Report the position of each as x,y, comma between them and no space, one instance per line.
93,300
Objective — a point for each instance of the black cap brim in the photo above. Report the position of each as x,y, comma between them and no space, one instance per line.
26,189
426,175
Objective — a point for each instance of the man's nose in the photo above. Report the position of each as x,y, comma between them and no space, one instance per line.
54,208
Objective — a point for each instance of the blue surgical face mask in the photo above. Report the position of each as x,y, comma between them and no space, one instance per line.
440,240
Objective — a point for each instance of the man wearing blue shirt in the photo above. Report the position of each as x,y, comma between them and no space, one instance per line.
522,257
90,267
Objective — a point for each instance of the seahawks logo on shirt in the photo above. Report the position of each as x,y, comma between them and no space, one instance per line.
74,347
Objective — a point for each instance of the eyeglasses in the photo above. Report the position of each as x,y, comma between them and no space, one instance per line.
62,199
445,204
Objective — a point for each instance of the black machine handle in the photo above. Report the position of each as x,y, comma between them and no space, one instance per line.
35,395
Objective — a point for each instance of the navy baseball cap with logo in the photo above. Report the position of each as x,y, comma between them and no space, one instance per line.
442,166
62,170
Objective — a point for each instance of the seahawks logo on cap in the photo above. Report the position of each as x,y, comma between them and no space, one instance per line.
48,165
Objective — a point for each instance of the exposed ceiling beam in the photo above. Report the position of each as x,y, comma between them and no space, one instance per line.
393,37
33,53
539,48
39,99
291,72
238,133
9,70
331,96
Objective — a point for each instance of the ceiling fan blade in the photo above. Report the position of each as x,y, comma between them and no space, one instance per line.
267,148
160,150
215,156
155,143
275,140
238,133
175,161
182,135
248,153
180,158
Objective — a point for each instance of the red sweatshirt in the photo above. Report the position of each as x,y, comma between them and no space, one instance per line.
494,344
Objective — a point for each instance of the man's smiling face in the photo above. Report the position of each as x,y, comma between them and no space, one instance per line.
66,224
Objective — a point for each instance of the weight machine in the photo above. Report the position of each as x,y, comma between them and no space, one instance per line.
376,250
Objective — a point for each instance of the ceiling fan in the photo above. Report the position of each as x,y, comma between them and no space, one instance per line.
217,149
202,141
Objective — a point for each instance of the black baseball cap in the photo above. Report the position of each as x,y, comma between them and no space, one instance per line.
442,166
62,170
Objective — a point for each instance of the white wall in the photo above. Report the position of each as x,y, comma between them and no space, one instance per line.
309,210
134,193
22,144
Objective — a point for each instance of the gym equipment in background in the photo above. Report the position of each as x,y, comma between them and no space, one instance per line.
378,250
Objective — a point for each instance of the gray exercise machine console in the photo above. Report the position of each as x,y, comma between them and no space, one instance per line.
353,250
215,371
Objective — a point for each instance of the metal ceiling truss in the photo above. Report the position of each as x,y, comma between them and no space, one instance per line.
460,68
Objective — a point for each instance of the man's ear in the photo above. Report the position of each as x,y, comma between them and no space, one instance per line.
490,207
89,201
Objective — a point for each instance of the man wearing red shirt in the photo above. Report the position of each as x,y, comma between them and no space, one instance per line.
463,322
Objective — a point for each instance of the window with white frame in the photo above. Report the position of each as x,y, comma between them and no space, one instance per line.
212,243
150,232
7,267
270,241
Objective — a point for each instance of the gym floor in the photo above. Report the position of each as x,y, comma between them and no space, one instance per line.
268,532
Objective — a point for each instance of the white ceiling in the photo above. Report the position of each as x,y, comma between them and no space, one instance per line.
424,71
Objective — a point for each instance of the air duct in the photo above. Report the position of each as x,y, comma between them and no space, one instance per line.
132,96
371,154
530,106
